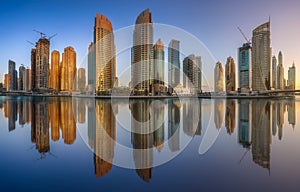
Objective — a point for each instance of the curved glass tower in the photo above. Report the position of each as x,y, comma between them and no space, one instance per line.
261,58
142,73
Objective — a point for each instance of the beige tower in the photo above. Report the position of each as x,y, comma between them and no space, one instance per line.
230,75
261,58
219,77
141,57
104,53
54,73
68,69
42,63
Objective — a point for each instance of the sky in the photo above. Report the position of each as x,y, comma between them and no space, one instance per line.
213,22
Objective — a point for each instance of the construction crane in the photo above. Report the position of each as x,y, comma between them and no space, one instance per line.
30,43
41,33
52,36
247,40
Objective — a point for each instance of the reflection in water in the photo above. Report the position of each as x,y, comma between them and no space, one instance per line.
230,116
56,118
140,121
245,123
174,124
219,113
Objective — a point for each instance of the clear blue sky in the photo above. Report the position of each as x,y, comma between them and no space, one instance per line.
214,22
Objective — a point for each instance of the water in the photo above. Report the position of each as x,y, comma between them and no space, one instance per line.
75,144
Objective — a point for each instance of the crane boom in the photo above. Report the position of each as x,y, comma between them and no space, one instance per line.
247,40
41,33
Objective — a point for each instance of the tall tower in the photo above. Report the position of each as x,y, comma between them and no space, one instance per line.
42,63
54,74
81,79
219,77
261,57
91,69
68,69
230,75
192,72
141,53
280,72
274,72
158,65
33,65
104,54
174,63
11,75
245,67
292,77
20,82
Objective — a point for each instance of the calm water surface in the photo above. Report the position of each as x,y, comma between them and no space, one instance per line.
58,144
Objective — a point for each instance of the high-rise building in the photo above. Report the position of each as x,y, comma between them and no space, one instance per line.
274,72
101,59
12,75
158,67
91,69
81,79
173,63
192,77
230,75
54,73
292,77
141,53
219,78
33,65
27,80
280,72
261,58
6,81
41,72
21,73
68,69
245,68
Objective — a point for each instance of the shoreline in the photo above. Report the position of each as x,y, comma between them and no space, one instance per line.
154,97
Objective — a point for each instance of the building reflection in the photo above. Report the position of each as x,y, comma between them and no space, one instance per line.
230,116
261,132
142,138
191,115
174,124
245,123
219,112
55,118
102,134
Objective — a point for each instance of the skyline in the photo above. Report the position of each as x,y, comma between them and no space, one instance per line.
221,46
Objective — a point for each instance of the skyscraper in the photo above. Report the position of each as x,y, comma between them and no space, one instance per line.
261,58
192,77
33,65
219,77
91,69
81,79
20,82
141,53
54,74
68,69
42,63
27,80
230,75
245,68
173,63
103,53
292,77
280,72
11,75
158,66
274,72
